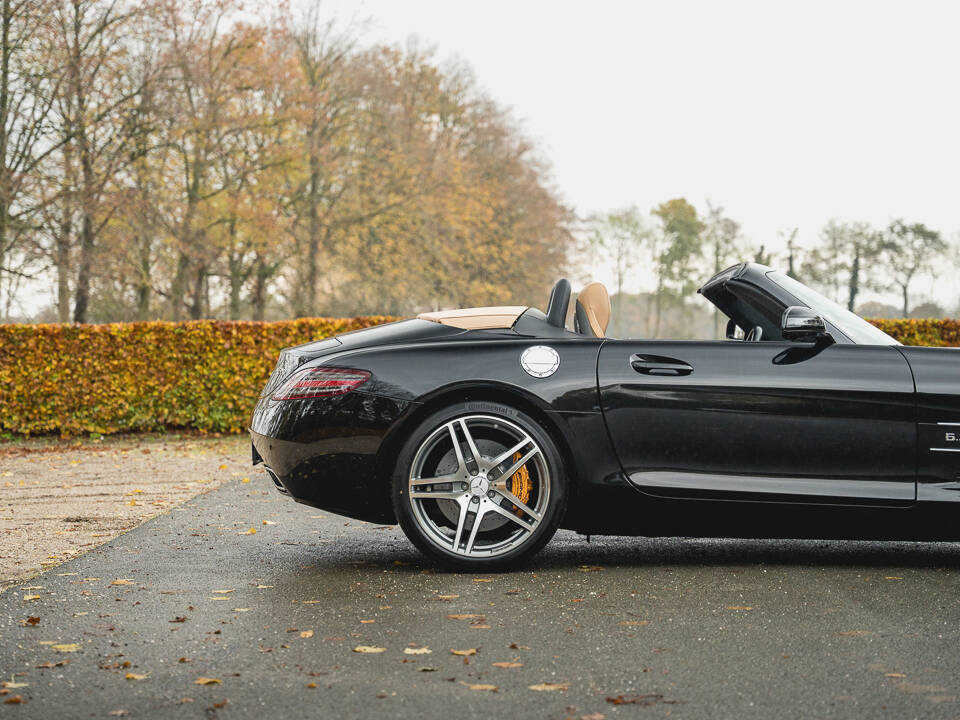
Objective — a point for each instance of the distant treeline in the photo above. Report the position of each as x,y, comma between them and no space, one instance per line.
679,247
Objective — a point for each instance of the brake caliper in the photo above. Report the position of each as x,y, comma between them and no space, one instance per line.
520,485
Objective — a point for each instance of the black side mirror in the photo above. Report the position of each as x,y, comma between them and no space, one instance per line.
801,324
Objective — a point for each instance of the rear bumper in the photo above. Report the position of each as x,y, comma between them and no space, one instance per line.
325,452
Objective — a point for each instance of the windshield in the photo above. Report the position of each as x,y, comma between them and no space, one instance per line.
850,324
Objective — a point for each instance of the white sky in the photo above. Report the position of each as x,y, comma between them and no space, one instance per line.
785,114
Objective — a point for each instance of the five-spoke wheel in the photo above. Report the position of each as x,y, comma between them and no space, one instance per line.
480,488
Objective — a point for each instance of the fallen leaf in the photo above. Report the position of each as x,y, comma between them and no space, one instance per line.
268,522
251,531
472,686
471,651
241,609
263,587
895,675
739,607
417,651
507,664
66,647
222,467
307,634
122,581
207,681
120,712
463,616
549,687
642,700
32,620
245,480
31,597
368,649
367,622
14,700
48,665
179,619
893,577
483,580
311,685
589,568
11,685
223,592
427,668
134,676
593,716
447,597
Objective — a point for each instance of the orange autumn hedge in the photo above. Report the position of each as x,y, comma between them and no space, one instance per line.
939,333
204,375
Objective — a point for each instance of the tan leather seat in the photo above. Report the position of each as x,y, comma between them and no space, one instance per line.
592,313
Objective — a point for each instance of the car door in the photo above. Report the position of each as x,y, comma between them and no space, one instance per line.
762,420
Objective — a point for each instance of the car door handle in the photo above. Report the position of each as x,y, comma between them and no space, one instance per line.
656,365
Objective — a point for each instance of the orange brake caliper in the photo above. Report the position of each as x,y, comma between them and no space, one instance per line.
520,485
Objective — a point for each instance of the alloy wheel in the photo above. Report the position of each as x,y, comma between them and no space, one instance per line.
479,486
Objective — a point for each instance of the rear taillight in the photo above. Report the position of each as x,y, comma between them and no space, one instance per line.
319,382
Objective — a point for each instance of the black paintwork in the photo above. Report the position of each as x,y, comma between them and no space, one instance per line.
702,438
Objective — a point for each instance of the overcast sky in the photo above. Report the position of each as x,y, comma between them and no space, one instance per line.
785,114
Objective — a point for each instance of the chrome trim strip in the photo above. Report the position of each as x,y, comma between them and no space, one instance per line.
950,424
944,449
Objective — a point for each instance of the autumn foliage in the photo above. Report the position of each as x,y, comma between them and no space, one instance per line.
938,333
203,375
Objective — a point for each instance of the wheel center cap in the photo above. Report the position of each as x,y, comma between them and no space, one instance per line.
479,485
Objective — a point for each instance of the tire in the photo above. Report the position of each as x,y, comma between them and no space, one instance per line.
495,513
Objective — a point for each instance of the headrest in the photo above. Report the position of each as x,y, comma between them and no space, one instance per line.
593,310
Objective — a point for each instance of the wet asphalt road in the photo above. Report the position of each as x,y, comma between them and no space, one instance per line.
679,628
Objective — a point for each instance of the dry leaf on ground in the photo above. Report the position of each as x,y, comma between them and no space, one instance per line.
417,651
507,664
470,651
480,686
207,681
134,676
549,687
66,647
368,649
307,634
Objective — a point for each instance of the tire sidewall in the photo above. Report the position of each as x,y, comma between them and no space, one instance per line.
555,505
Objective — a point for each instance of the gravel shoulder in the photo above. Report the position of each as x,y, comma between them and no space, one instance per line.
60,499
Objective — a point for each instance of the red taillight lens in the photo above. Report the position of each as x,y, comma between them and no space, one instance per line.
319,382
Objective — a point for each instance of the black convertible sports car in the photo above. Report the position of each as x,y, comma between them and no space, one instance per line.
484,430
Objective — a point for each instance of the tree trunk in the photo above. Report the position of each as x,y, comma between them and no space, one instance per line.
259,289
854,288
313,232
906,300
82,293
178,288
199,293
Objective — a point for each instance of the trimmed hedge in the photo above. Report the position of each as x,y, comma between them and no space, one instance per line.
205,375
122,377
939,333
